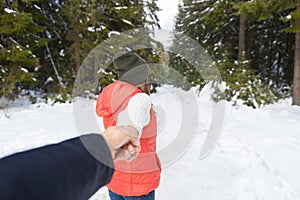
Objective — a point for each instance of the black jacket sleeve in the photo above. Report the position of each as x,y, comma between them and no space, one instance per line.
73,169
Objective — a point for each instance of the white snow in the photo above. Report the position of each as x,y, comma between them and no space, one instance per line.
111,33
102,27
8,10
24,69
49,79
62,53
91,29
127,22
193,22
37,7
257,156
101,70
121,7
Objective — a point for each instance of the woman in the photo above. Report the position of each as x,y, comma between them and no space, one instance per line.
139,178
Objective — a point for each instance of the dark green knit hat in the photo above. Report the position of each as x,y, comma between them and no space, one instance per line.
131,68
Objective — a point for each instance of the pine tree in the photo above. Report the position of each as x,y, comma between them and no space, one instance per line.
98,20
220,27
43,43
277,16
241,50
20,37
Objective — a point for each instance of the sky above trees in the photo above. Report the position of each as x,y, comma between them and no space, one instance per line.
167,14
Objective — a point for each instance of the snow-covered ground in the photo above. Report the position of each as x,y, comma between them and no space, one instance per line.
257,156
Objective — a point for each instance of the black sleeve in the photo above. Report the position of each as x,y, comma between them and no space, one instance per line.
57,172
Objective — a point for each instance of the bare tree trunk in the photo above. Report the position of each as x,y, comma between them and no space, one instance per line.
94,13
74,24
77,52
296,84
241,39
54,67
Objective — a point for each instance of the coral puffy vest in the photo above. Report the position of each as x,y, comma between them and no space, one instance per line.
142,175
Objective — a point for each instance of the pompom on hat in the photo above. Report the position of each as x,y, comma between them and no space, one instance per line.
131,68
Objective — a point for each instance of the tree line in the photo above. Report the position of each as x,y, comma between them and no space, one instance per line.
255,44
43,43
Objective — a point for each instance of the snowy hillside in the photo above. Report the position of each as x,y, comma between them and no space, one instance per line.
257,156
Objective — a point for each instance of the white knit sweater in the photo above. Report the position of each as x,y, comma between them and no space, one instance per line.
137,113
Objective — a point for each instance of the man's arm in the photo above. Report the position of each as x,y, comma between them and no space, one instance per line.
61,171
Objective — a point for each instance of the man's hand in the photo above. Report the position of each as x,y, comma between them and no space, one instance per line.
122,141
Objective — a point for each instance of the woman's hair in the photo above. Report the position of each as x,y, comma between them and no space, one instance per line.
145,88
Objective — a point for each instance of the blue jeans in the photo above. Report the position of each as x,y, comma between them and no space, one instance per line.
114,196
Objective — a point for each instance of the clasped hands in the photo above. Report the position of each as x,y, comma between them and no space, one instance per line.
123,142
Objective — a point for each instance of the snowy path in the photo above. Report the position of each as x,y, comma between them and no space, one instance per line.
257,156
